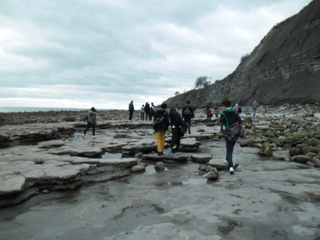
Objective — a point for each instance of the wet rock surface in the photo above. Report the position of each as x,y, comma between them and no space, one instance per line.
115,186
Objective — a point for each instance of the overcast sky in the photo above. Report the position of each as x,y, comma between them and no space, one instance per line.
104,53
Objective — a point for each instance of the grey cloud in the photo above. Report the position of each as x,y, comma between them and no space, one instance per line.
125,49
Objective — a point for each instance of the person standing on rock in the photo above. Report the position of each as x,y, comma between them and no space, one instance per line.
131,110
142,112
188,114
254,108
147,111
177,126
216,111
91,122
160,125
208,113
228,117
153,110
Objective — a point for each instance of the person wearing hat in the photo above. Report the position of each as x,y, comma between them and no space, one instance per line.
91,122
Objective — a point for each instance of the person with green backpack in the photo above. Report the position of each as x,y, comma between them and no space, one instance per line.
231,122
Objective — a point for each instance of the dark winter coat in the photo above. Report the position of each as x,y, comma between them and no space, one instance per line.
92,117
175,118
131,107
191,111
164,124
147,108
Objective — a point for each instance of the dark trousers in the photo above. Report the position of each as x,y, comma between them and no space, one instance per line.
188,122
93,129
254,111
209,118
229,147
175,141
130,115
148,116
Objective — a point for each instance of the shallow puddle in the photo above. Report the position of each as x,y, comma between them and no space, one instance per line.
108,155
149,170
195,181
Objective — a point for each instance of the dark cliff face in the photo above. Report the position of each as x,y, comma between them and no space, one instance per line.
283,68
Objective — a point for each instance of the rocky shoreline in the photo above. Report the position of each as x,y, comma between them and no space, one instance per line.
43,152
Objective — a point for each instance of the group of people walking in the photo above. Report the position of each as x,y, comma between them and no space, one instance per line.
229,117
147,111
181,123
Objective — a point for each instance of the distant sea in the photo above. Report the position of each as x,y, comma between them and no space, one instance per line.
36,109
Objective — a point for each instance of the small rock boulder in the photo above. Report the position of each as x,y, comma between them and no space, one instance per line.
266,150
212,175
138,168
316,162
201,158
301,159
159,167
294,151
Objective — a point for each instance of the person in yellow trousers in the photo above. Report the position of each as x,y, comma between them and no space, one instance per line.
160,125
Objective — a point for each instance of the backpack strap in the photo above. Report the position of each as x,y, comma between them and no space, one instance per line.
227,124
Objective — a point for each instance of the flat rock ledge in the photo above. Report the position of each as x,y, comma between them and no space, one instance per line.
153,157
23,179
200,158
63,160
38,156
181,157
220,165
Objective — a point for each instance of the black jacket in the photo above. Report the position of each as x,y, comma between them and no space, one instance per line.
131,107
191,112
147,108
175,118
164,124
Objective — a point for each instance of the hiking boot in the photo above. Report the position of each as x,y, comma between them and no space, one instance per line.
160,153
93,136
83,135
231,170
